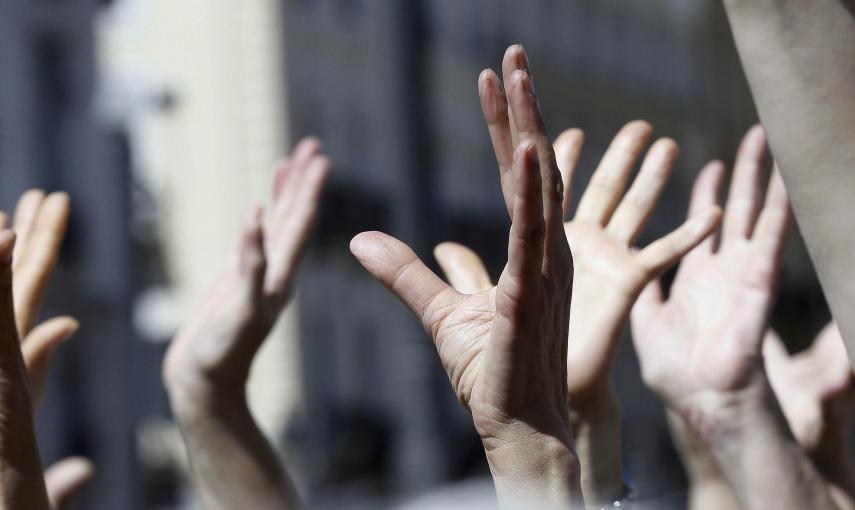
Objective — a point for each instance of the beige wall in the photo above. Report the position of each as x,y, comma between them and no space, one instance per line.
212,156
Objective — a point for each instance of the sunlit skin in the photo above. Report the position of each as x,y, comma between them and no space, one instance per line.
700,350
799,58
39,222
608,276
206,368
504,349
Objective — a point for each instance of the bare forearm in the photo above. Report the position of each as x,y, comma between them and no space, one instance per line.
234,466
708,488
752,443
799,56
537,472
597,433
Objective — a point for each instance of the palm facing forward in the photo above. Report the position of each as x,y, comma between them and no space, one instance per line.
706,339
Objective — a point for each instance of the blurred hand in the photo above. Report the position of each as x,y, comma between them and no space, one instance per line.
700,350
504,349
707,336
21,483
206,367
40,222
816,392
216,347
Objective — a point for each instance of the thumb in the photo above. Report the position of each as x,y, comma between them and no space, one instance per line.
397,267
65,478
463,267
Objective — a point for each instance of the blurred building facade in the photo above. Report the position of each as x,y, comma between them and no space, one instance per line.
149,112
391,88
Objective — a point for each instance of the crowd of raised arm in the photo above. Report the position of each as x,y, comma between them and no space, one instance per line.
530,356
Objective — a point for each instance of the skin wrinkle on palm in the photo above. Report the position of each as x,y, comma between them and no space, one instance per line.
480,337
609,274
700,350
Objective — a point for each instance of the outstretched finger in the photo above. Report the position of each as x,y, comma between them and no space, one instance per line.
667,251
705,193
743,200
25,214
637,206
3,219
515,59
494,105
568,150
528,230
463,268
38,349
36,261
531,128
397,267
291,226
774,220
65,479
609,180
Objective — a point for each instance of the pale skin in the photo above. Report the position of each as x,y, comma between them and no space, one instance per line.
39,222
800,60
504,349
206,368
609,275
816,393
700,350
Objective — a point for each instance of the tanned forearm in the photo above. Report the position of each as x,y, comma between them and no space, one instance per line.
233,463
799,56
749,437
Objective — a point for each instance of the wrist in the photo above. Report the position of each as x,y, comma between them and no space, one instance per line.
194,399
596,430
721,417
535,470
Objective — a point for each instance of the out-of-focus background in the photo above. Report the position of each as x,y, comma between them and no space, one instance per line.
163,119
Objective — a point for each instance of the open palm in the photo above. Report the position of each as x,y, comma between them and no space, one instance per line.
707,336
504,349
608,273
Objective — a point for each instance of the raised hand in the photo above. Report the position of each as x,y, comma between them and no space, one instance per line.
40,222
504,349
707,336
816,391
700,350
208,363
220,342
609,275
21,479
